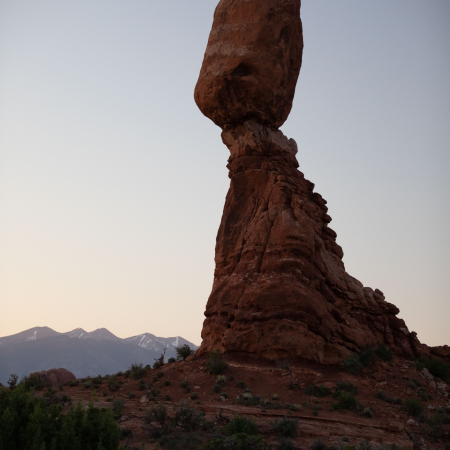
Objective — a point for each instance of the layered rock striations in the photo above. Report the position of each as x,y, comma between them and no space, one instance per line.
280,286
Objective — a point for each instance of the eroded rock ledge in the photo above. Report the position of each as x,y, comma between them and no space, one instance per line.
280,286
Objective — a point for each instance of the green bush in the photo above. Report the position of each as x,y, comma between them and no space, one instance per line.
286,427
137,371
293,407
36,383
216,365
113,383
383,352
217,388
240,424
29,423
194,396
318,444
183,351
367,412
352,364
117,407
222,380
285,444
167,383
275,397
241,384
159,375
180,441
413,406
345,400
171,360
239,441
188,418
436,367
158,413
356,361
315,391
348,387
13,379
157,364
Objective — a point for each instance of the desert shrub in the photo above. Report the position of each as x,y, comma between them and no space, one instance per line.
184,384
137,371
345,400
239,441
98,379
240,424
153,392
29,423
131,395
36,383
87,384
117,407
241,384
113,383
383,352
188,418
315,391
217,388
412,385
413,406
142,385
171,360
275,397
357,361
224,394
125,432
367,356
13,379
166,382
318,444
74,383
367,412
216,365
348,387
127,373
167,398
159,375
194,396
230,378
221,379
158,413
352,364
183,351
381,395
285,444
286,427
293,407
157,364
434,426
436,367
180,441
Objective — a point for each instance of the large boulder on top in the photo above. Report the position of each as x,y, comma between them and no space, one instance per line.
55,377
252,62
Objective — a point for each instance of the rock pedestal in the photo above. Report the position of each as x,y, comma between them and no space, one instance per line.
280,287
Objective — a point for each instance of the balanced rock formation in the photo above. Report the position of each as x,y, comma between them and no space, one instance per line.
252,62
55,377
280,287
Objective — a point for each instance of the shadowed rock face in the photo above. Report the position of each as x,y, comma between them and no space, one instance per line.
280,287
252,62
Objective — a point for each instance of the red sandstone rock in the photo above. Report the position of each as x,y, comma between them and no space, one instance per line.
252,62
280,286
55,377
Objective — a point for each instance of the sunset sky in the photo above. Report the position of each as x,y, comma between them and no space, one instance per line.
112,183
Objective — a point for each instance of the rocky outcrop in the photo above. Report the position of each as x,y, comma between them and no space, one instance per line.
280,286
252,62
55,377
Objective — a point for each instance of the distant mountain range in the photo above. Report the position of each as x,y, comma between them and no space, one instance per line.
83,353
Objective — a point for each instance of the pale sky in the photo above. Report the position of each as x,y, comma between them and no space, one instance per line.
112,183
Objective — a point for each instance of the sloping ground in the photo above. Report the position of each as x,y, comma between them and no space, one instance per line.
316,417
